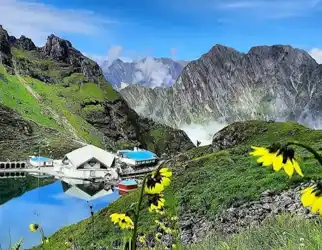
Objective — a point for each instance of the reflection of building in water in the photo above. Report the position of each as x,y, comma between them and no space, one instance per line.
87,163
126,186
85,190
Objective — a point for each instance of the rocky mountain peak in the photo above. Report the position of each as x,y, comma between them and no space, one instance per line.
147,71
62,50
23,43
221,49
277,52
276,82
57,48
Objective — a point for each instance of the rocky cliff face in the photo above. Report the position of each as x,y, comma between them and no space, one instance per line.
269,82
149,72
20,137
62,51
5,52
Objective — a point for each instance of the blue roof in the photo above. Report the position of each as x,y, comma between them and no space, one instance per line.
128,182
138,155
40,159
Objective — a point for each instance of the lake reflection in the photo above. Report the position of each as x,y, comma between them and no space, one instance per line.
53,206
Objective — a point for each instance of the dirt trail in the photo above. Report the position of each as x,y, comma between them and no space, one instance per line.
61,120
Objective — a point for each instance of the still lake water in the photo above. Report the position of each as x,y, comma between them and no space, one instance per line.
48,206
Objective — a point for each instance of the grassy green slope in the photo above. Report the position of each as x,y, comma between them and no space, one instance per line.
65,97
284,232
14,95
208,183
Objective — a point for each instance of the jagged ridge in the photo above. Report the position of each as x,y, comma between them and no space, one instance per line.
269,82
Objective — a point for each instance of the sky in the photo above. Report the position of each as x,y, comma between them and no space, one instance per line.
180,29
48,206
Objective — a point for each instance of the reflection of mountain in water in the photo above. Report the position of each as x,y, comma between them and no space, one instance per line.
85,190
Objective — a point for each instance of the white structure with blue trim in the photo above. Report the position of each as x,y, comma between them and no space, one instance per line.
87,162
39,161
137,157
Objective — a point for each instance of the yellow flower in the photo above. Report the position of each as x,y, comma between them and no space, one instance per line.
163,227
312,197
123,221
266,155
142,239
158,237
45,241
278,157
158,181
156,203
33,227
286,158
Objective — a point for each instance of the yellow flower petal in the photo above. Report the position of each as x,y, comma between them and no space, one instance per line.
288,167
317,205
158,188
259,151
278,163
266,160
165,181
307,199
297,168
165,172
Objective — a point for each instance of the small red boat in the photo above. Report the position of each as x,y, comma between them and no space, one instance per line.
126,186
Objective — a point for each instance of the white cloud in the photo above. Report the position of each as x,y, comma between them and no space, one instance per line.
153,71
202,133
269,8
317,55
37,20
97,58
114,53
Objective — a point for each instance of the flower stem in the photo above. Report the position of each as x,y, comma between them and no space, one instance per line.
136,218
308,148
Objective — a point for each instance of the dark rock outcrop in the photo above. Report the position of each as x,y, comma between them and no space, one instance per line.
5,50
118,122
62,51
236,133
269,82
23,43
12,126
21,138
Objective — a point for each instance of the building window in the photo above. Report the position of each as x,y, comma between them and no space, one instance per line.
92,163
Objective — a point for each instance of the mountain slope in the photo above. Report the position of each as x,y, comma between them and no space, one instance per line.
57,87
148,71
269,82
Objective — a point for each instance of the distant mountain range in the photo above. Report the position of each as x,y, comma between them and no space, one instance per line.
149,72
269,82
